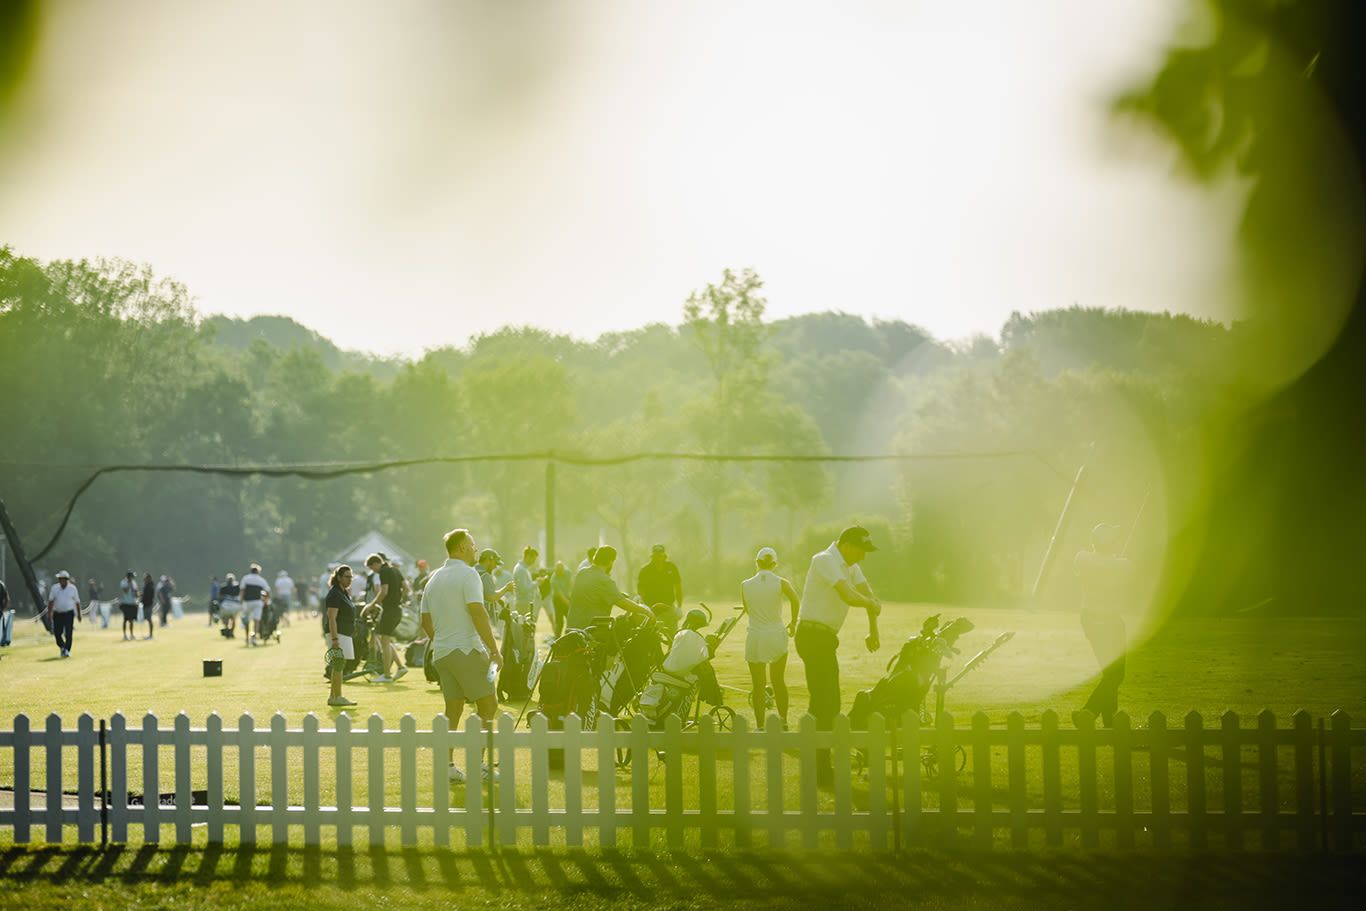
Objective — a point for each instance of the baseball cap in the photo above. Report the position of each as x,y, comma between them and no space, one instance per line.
659,549
488,553
766,555
857,536
63,574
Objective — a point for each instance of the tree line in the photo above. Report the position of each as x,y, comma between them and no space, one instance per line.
103,362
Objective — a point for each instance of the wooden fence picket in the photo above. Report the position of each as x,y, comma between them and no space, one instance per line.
946,756
475,739
981,781
183,813
1340,785
1018,799
407,780
246,780
375,786
574,743
1159,786
1268,798
540,781
1052,780
773,752
1195,781
706,782
312,747
1304,780
23,785
1086,780
807,783
909,770
52,759
118,779
741,815
87,742
607,781
1231,745
640,782
1124,782
879,822
345,798
213,770
441,784
279,780
151,780
673,782
506,746
840,747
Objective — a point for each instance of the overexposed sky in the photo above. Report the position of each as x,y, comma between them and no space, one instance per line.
399,176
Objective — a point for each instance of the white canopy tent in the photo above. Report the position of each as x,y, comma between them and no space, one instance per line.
373,542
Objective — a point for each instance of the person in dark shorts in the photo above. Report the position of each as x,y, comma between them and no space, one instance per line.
128,604
389,600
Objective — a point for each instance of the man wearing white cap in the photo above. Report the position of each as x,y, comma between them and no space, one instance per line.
766,641
63,610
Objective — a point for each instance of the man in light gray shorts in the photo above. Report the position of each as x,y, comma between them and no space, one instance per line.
464,651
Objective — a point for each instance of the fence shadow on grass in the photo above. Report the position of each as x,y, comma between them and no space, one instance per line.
1083,881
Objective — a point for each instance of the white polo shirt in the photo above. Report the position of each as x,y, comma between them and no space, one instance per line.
449,593
64,600
820,602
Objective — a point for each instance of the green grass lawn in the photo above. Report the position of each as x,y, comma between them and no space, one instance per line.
1206,665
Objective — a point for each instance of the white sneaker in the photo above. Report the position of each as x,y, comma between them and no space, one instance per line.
381,678
65,653
455,775
400,672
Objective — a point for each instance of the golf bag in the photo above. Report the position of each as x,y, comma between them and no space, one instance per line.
638,651
270,620
519,646
568,683
910,673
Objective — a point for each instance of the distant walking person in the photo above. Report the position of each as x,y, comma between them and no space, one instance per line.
659,582
165,589
464,652
561,587
92,600
149,600
834,583
128,604
766,642
522,574
284,596
255,594
63,610
6,616
230,605
1105,576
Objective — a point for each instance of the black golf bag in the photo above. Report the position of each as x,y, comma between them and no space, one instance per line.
910,674
270,621
519,648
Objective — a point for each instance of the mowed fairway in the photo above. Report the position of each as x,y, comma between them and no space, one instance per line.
1205,665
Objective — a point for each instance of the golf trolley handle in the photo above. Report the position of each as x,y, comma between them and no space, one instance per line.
978,658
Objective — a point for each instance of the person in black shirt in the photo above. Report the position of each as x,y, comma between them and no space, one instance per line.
341,624
389,598
660,583
149,598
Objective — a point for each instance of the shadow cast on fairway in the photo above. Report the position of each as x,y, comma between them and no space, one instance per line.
1083,881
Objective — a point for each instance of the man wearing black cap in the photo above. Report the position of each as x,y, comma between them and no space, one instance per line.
660,583
834,583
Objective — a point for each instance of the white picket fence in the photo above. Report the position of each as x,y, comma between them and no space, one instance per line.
692,787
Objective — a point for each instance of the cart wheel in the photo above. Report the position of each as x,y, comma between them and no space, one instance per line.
960,758
725,717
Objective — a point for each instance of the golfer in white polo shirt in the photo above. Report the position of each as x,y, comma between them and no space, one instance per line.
63,610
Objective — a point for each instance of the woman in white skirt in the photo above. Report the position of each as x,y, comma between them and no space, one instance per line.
766,642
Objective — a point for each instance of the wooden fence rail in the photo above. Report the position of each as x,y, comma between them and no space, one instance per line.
983,786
